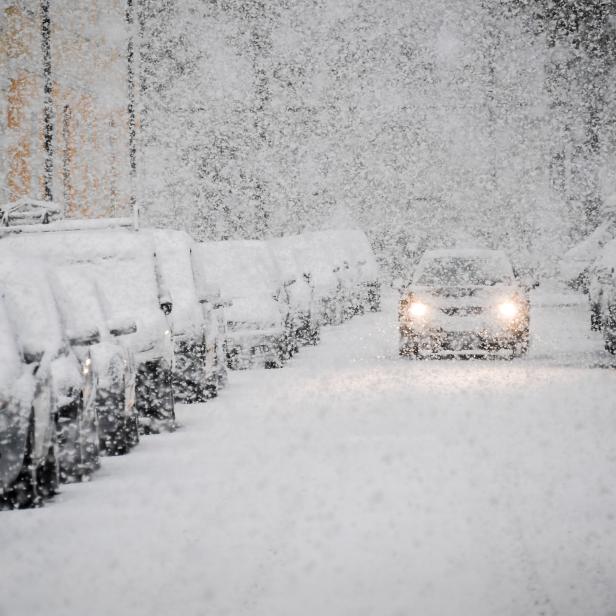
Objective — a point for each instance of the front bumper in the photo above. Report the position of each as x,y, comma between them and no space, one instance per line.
482,338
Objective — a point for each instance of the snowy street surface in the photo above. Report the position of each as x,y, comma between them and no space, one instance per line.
352,483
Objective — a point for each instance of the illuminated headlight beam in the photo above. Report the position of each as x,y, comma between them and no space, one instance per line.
509,310
417,309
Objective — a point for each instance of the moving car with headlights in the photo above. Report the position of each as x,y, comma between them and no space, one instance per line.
122,263
199,367
28,440
48,346
112,362
255,317
464,302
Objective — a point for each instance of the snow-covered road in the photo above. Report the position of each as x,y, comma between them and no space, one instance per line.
351,483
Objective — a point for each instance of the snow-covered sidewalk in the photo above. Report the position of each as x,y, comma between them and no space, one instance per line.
351,483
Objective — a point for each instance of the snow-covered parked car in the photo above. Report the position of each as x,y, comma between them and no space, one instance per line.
318,264
303,307
199,367
463,302
338,258
32,307
363,263
122,263
112,362
28,439
602,295
256,317
574,267
600,284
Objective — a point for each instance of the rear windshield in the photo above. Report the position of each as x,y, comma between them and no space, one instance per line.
459,271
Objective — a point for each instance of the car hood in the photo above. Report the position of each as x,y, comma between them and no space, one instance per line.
254,309
465,295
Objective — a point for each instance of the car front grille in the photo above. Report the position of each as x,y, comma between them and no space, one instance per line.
462,311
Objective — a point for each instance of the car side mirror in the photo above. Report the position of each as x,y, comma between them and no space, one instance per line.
223,303
121,327
33,356
84,338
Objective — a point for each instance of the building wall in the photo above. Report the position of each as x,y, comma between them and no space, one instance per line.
90,142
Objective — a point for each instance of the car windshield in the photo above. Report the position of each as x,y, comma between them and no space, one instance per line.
239,270
459,271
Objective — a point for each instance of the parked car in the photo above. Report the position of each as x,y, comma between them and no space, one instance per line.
575,264
329,243
364,263
600,278
256,318
28,439
464,302
199,367
122,263
319,265
112,362
602,295
32,307
301,294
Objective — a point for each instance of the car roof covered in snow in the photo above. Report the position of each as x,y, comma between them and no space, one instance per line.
590,246
240,267
175,265
120,260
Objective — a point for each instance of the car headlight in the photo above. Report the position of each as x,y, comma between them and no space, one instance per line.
509,310
85,369
418,309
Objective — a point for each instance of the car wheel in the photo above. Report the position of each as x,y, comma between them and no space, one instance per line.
24,493
113,434
595,318
155,399
48,474
409,350
70,442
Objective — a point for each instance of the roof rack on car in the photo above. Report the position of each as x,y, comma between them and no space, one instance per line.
26,211
72,224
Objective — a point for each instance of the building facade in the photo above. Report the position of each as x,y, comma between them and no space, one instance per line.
64,120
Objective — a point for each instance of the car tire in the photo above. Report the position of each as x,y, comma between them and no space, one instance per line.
71,459
595,317
113,433
24,493
409,350
48,473
155,399
132,430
